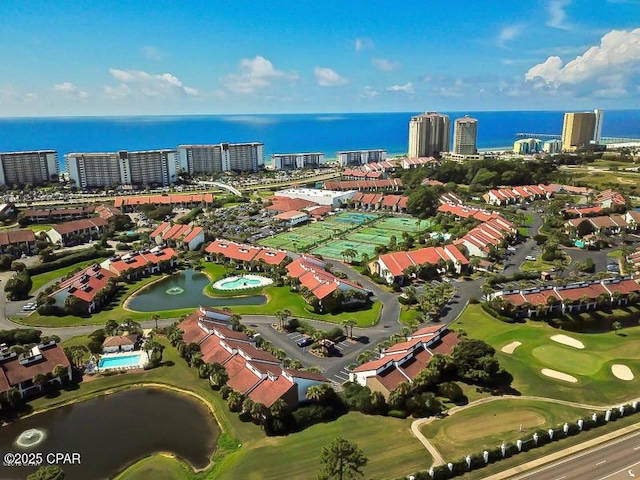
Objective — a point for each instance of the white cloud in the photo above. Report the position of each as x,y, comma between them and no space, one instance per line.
255,73
328,78
558,15
362,44
611,67
384,65
70,90
147,84
406,88
369,92
152,53
509,33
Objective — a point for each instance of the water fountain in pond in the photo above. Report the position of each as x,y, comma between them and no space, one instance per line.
30,438
175,291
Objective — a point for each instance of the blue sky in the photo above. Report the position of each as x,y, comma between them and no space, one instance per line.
168,57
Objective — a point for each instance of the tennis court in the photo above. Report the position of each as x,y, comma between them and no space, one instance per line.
374,236
334,249
403,224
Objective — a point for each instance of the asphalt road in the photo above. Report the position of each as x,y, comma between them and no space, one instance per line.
616,460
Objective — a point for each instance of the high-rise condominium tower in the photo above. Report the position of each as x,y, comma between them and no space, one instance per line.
580,130
465,136
221,157
428,135
35,167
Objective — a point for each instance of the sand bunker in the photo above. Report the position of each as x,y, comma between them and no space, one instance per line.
511,347
565,377
568,341
622,372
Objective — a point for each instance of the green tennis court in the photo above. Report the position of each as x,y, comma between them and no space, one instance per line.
403,224
334,249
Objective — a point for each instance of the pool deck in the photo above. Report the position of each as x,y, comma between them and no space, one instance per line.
144,358
264,282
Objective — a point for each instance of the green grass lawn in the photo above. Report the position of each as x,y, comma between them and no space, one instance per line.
278,298
43,278
615,253
458,434
392,451
159,467
408,315
591,366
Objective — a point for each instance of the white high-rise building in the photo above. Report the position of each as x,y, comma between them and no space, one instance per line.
429,135
34,167
465,136
597,131
296,161
107,170
221,157
361,157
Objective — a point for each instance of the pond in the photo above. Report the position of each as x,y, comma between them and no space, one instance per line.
184,290
113,431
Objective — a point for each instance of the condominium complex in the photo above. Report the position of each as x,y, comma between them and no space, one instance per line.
104,170
34,167
465,136
361,157
580,130
296,161
428,135
221,157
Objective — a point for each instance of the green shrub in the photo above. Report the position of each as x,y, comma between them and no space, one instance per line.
397,414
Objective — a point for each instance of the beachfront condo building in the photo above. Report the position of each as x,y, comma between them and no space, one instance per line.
465,136
296,161
579,130
361,157
108,170
221,157
429,135
34,167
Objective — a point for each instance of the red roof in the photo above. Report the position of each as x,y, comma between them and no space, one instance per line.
380,362
271,389
321,283
191,332
419,361
286,204
51,357
12,237
241,379
430,330
591,291
164,199
86,283
79,225
246,253
391,378
397,262
445,345
141,259
195,231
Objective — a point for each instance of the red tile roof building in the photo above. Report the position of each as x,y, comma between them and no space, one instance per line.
392,266
245,253
254,373
17,370
70,233
313,275
186,236
480,240
378,201
570,298
107,211
17,242
393,184
52,215
403,361
505,196
176,200
285,204
141,263
86,286
610,199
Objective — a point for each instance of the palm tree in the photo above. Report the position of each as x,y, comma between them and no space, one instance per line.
279,409
155,318
234,321
318,393
258,412
58,371
219,376
617,326
205,370
247,405
111,328
348,325
39,379
364,357
234,401
77,356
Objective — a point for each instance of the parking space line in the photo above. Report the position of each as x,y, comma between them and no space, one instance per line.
341,378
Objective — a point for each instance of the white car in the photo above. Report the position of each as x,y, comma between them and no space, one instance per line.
531,258
511,249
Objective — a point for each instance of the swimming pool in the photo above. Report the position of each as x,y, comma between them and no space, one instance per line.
242,282
121,361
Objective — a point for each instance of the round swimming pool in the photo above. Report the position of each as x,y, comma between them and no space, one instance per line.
241,282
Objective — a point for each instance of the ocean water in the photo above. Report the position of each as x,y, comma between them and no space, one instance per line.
325,133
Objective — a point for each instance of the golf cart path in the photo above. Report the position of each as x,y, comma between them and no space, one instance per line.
437,457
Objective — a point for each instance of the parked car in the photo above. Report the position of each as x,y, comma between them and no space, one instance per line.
530,258
304,342
511,249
